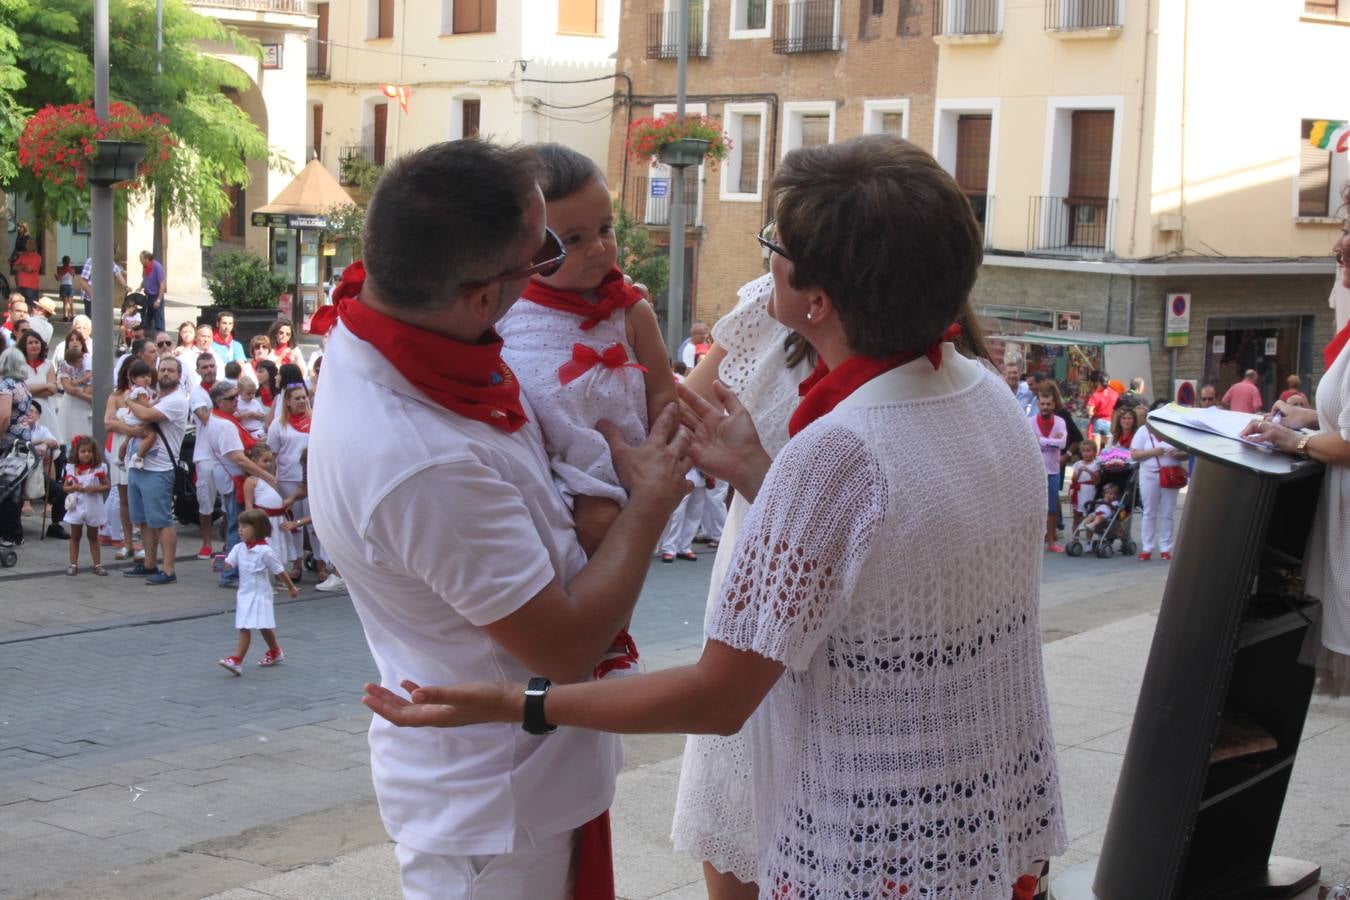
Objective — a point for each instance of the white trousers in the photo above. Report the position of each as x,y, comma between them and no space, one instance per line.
1160,507
683,525
714,512
542,872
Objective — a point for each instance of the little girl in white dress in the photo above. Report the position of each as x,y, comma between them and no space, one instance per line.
86,481
259,494
586,346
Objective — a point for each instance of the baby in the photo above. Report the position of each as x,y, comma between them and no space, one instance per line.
1103,509
140,377
251,413
131,320
586,346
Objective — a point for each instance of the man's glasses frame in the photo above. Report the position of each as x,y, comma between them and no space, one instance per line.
767,238
548,260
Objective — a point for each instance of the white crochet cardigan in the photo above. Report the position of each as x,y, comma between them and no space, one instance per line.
908,744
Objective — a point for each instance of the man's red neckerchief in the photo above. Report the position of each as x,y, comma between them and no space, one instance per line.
826,388
1045,423
613,294
470,379
247,439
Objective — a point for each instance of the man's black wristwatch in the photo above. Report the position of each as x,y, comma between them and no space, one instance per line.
535,692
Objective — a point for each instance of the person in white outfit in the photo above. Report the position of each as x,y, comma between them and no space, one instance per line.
677,540
254,560
1160,503
86,483
714,514
908,750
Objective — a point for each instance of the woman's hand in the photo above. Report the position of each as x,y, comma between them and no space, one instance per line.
448,706
1268,432
726,444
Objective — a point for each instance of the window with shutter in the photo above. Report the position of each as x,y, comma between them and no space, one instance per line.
385,28
578,16
815,130
893,123
379,132
1314,176
317,142
972,153
472,111
475,16
747,178
756,13
321,54
1090,155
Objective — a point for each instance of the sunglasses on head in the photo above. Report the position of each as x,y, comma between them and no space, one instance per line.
546,261
768,239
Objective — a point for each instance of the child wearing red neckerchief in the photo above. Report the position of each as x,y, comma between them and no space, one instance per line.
586,346
253,558
86,482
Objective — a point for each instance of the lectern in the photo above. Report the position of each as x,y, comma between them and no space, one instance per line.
1224,694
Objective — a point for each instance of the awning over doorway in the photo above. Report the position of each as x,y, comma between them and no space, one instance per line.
303,202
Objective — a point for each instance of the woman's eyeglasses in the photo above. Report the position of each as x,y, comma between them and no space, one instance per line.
768,239
548,260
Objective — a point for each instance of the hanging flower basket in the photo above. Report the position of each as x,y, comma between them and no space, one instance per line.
674,141
59,143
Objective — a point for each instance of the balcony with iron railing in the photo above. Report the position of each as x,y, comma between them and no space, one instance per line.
1083,15
649,199
805,26
1071,226
277,6
319,57
663,34
350,158
966,18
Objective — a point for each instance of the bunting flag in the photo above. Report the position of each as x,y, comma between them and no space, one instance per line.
1330,135
399,92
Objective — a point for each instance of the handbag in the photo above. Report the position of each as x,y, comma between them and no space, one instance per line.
1172,477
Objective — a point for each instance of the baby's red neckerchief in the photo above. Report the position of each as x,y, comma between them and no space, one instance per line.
826,388
470,379
613,294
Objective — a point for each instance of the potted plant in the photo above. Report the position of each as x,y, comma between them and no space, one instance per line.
243,284
59,146
676,141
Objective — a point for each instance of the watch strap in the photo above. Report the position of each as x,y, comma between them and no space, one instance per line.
535,692
1302,448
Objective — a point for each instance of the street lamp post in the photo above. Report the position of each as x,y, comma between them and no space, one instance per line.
675,292
101,228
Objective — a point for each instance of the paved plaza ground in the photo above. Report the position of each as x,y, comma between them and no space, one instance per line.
131,766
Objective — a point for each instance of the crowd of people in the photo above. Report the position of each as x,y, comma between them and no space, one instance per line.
488,357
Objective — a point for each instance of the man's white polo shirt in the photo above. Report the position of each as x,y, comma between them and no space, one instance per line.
440,525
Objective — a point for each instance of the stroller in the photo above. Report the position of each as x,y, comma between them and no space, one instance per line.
20,469
1116,469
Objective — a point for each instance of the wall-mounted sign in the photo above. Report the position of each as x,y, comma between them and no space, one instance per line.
1272,346
1183,391
1217,345
271,56
286,220
660,187
1178,316
1068,321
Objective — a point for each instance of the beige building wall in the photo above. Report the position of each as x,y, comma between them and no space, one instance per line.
531,82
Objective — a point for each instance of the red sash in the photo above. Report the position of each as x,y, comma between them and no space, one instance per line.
595,861
612,294
469,379
826,388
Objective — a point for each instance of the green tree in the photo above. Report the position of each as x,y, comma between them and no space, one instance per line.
52,52
639,258
347,225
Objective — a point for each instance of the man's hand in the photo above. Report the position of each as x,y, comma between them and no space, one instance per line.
448,707
654,470
725,443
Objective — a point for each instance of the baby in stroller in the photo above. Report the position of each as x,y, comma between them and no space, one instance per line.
1107,520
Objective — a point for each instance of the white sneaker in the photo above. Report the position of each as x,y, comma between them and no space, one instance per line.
331,583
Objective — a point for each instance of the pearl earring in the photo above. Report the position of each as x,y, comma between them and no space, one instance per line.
808,317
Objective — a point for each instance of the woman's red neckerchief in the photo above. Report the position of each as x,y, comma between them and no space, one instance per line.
826,388
247,439
299,423
470,379
613,293
1337,344
1045,423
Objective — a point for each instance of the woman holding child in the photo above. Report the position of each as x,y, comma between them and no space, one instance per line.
915,698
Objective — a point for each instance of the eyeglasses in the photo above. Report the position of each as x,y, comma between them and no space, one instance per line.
229,397
163,343
548,260
767,239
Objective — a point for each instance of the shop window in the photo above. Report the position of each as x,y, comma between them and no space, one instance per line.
579,16
1274,346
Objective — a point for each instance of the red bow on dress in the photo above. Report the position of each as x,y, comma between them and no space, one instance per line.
826,388
613,293
469,379
615,356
